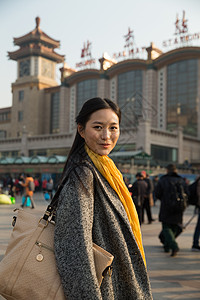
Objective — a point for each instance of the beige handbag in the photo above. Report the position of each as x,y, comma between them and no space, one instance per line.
28,269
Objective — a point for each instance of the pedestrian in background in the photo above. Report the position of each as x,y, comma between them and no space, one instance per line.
28,191
138,191
171,218
155,182
37,184
196,236
126,181
49,187
147,198
44,185
10,185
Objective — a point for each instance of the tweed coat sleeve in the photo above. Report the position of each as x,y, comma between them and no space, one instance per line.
73,236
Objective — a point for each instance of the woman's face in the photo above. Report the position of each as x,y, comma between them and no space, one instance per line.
101,131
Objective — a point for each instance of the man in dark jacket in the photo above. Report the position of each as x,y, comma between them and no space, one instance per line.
146,206
196,236
138,191
171,218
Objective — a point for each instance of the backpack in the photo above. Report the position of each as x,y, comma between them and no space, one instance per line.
193,197
177,197
31,186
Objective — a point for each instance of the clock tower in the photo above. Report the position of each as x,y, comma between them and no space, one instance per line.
36,70
36,58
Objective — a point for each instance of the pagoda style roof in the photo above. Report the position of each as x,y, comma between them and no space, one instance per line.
36,43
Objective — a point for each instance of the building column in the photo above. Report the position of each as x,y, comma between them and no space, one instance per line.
103,88
180,145
63,110
144,136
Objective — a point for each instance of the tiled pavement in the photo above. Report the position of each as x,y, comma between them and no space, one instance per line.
171,277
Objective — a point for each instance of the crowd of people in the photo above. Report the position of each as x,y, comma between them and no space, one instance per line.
20,186
142,192
173,192
145,192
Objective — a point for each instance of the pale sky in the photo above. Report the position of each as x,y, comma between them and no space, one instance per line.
104,23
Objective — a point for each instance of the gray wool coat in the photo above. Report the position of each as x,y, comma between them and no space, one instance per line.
90,211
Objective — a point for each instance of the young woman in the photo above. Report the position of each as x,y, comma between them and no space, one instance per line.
95,206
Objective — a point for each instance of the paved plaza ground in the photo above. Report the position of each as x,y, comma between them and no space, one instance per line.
171,277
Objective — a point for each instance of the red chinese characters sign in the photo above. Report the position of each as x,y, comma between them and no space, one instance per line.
129,38
86,56
129,46
181,26
181,33
86,51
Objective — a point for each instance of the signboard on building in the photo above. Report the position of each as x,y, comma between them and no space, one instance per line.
130,48
182,36
86,56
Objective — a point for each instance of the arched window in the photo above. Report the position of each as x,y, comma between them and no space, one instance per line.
85,90
182,96
129,97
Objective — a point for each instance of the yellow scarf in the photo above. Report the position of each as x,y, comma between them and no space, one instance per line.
107,168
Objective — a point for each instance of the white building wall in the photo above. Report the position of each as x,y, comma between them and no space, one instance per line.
191,149
144,136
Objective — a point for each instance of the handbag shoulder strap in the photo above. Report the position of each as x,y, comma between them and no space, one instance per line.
51,208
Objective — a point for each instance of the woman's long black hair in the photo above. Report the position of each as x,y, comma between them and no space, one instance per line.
88,108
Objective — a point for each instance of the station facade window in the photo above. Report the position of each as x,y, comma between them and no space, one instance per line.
4,116
182,96
20,116
55,111
129,97
164,154
85,90
3,134
9,153
21,95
